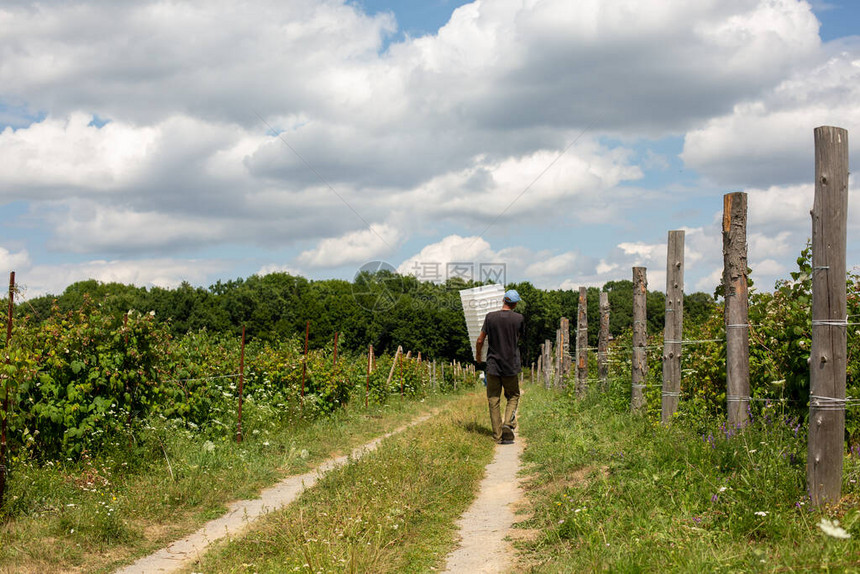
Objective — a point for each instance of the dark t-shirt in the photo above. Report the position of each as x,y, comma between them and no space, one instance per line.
503,329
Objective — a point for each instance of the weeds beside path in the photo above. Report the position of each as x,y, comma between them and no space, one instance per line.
102,513
243,513
618,492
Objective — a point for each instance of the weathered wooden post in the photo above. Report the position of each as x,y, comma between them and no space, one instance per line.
737,308
582,342
603,342
828,354
393,365
558,360
540,362
673,332
565,335
640,338
547,363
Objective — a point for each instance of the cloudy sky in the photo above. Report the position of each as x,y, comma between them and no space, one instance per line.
154,142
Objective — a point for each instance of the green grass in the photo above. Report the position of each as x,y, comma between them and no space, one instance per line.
391,511
618,492
95,514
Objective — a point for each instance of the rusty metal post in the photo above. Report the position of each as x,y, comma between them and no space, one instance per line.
305,360
367,384
335,348
241,385
6,390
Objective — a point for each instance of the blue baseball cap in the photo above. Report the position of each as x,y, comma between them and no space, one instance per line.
511,296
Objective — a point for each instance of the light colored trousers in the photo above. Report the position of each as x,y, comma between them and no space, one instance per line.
511,386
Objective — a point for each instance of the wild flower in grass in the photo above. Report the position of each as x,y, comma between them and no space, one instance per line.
209,446
715,497
831,528
761,513
697,519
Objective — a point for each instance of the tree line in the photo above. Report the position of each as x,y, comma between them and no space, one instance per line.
382,309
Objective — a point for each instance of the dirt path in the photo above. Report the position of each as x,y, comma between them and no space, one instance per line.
484,527
242,513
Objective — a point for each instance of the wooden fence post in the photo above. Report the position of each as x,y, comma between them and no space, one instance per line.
547,363
673,332
559,359
828,354
640,338
582,342
540,362
603,342
393,363
565,335
737,308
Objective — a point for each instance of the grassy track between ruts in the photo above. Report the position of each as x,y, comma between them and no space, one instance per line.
96,515
394,510
617,492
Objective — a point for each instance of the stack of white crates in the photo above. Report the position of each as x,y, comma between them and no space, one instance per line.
477,302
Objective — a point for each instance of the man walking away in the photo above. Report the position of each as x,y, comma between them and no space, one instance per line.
504,329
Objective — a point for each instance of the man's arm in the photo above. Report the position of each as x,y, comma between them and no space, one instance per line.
479,346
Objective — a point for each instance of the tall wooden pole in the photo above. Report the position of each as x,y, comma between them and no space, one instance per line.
241,386
828,354
547,362
640,338
540,362
559,359
582,342
565,337
673,332
4,423
393,364
737,308
603,342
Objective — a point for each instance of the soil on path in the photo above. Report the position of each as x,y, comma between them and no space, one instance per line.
242,513
486,525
